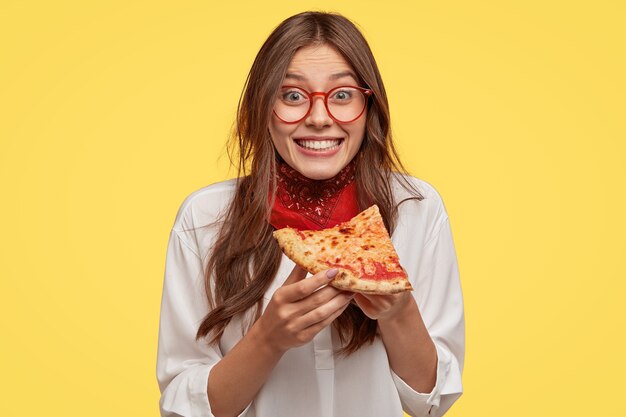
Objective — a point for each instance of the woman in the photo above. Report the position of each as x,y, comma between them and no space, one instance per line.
242,331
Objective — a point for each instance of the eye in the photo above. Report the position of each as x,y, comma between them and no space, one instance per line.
343,95
292,96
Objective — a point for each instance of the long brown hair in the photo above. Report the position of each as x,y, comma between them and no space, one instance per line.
245,258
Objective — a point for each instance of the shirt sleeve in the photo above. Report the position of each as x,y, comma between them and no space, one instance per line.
183,364
438,295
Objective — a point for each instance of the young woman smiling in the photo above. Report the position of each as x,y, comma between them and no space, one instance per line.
243,331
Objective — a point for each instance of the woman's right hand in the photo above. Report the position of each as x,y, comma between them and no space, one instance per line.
299,310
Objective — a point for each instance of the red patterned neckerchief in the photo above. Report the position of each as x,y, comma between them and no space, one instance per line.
306,204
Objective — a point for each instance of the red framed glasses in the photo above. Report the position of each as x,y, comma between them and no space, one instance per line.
344,104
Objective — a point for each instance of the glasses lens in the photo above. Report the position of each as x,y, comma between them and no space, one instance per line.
346,103
292,104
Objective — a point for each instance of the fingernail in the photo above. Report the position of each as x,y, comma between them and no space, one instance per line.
331,273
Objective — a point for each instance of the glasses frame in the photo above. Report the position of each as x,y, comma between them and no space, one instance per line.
311,95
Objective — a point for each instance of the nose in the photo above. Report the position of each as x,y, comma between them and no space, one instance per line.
318,116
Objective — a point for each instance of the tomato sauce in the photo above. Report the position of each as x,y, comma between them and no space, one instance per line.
380,274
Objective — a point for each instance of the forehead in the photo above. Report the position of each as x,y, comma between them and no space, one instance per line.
318,61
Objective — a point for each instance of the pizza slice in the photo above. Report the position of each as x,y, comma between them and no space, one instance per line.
360,249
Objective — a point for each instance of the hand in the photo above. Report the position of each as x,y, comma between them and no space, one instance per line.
382,307
300,309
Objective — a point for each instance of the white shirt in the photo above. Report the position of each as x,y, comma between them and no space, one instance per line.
309,381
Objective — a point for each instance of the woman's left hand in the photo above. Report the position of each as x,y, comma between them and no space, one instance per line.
383,307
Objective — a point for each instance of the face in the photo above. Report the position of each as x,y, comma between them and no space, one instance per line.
318,147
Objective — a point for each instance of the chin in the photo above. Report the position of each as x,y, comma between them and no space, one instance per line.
318,173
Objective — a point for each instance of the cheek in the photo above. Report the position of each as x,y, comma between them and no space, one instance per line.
280,134
358,134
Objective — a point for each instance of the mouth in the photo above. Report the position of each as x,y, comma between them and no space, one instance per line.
317,144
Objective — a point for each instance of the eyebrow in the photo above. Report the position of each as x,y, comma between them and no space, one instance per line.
335,76
343,74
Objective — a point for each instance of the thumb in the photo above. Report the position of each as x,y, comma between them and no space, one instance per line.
297,274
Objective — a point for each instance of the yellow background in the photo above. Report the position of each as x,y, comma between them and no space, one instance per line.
113,112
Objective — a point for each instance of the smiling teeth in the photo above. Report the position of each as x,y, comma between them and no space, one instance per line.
319,145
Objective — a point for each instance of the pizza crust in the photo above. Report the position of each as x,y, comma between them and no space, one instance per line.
346,280
295,249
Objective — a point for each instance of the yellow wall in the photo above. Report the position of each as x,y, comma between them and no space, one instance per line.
112,112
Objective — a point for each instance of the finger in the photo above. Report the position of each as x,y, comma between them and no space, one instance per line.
364,303
297,274
315,328
324,311
318,298
303,288
377,300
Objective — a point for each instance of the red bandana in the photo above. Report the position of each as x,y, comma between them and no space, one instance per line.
306,204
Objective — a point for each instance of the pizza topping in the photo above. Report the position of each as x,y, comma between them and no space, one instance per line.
381,272
375,271
342,266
